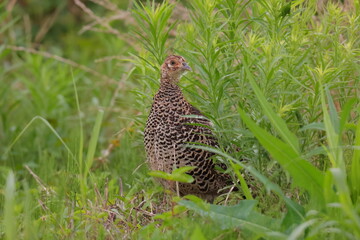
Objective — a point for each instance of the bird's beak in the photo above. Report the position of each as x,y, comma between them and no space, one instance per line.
186,67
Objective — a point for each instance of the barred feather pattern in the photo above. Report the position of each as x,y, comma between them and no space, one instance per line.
169,130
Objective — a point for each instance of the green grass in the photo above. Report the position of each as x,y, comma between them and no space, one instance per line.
278,79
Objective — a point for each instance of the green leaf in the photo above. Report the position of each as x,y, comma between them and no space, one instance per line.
160,174
241,216
314,126
197,234
292,218
183,170
178,175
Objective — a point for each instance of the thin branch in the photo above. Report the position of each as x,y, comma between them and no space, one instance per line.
105,22
38,180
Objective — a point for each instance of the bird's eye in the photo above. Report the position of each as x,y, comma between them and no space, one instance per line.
172,62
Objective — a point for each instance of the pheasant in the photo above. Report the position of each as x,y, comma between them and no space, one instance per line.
168,131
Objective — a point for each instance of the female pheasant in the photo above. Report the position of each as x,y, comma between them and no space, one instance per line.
168,130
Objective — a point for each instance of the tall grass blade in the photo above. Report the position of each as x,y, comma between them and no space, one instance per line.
334,118
26,128
339,177
332,128
335,154
9,208
355,167
243,184
81,129
29,228
93,143
345,113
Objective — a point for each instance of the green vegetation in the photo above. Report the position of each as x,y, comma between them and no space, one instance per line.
279,80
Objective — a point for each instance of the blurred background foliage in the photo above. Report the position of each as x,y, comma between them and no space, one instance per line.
66,61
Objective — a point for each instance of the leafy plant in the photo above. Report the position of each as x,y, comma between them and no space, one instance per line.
249,62
279,80
177,175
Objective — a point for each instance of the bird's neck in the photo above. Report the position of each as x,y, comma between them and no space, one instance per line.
169,84
169,88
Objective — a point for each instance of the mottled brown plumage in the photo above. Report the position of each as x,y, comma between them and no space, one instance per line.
168,131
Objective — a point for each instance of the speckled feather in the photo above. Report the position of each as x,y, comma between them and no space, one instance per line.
168,131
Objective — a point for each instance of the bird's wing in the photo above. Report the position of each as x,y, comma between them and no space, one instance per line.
195,111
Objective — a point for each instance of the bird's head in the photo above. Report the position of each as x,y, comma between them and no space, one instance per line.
173,68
